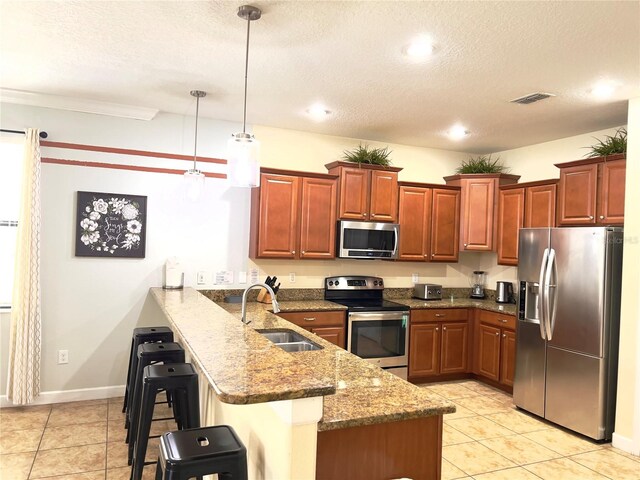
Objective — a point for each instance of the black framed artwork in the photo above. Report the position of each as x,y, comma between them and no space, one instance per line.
111,225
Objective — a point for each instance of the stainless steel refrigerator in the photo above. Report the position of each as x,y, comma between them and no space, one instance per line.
568,326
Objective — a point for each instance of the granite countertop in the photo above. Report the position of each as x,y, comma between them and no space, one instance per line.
244,367
491,305
365,394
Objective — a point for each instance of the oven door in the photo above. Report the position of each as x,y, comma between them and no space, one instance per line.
379,337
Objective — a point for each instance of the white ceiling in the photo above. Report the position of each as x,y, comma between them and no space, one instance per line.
347,55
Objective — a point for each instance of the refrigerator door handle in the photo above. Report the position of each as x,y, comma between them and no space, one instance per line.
541,291
550,313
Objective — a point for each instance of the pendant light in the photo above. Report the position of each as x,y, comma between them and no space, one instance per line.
194,178
243,162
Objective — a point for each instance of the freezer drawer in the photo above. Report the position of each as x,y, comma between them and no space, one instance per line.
576,393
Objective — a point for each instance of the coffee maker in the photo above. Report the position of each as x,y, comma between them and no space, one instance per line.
477,284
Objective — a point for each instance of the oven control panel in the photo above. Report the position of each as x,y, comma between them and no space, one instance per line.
355,282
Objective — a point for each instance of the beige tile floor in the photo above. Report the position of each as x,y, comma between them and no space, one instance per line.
486,439
70,441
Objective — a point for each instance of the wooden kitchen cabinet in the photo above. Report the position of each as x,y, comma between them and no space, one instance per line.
330,325
523,205
366,192
438,343
429,217
495,345
479,208
591,192
293,215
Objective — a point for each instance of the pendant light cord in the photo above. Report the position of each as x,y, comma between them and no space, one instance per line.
246,69
195,140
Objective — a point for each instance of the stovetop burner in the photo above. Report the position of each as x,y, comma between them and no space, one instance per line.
359,293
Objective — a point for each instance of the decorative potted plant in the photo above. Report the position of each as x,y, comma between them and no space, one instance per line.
364,154
611,145
481,164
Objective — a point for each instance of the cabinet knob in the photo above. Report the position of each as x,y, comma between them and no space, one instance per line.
601,217
303,252
497,334
437,329
444,328
440,314
465,244
426,255
293,251
504,335
364,214
373,215
502,319
590,217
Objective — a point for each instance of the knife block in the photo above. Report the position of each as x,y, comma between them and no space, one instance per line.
264,296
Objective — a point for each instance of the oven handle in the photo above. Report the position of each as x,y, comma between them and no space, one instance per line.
373,316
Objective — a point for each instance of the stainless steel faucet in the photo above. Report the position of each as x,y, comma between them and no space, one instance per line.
274,302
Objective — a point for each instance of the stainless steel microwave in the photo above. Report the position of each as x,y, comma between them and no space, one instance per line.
368,240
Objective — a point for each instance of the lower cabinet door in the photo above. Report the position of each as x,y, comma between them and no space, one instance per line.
453,356
334,335
424,349
489,352
508,357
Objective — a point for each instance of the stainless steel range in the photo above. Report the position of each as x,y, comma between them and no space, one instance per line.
377,329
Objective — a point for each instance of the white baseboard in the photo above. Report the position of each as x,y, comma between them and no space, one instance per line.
625,444
63,396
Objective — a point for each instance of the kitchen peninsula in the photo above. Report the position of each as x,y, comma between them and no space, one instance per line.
322,414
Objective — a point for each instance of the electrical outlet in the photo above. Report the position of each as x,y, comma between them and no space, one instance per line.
415,278
292,277
63,357
201,278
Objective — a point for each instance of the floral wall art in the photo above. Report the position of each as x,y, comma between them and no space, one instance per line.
111,225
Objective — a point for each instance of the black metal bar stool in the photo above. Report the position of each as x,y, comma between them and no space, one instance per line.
182,381
142,335
202,451
149,354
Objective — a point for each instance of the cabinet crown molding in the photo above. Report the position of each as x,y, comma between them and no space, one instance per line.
587,161
365,166
461,176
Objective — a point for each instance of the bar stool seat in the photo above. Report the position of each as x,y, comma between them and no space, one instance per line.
141,335
181,380
202,451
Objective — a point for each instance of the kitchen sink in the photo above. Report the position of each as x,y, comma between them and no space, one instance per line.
290,341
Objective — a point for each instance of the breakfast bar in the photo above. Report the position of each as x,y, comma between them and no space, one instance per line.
322,414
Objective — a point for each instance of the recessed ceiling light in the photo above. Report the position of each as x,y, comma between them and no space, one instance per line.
603,90
318,112
457,132
419,49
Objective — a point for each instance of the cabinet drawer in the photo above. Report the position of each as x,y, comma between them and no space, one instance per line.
438,314
313,319
499,320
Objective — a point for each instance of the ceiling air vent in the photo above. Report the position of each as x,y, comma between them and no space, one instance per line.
531,98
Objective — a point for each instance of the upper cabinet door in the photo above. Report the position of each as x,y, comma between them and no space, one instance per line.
577,195
318,218
415,221
479,207
540,204
510,221
354,194
445,221
384,196
278,228
611,209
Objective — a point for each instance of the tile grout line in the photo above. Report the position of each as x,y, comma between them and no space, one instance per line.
40,442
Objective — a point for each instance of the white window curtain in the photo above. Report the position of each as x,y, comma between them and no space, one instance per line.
24,343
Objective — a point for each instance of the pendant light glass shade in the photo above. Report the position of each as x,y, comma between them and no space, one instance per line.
193,184
243,161
243,150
